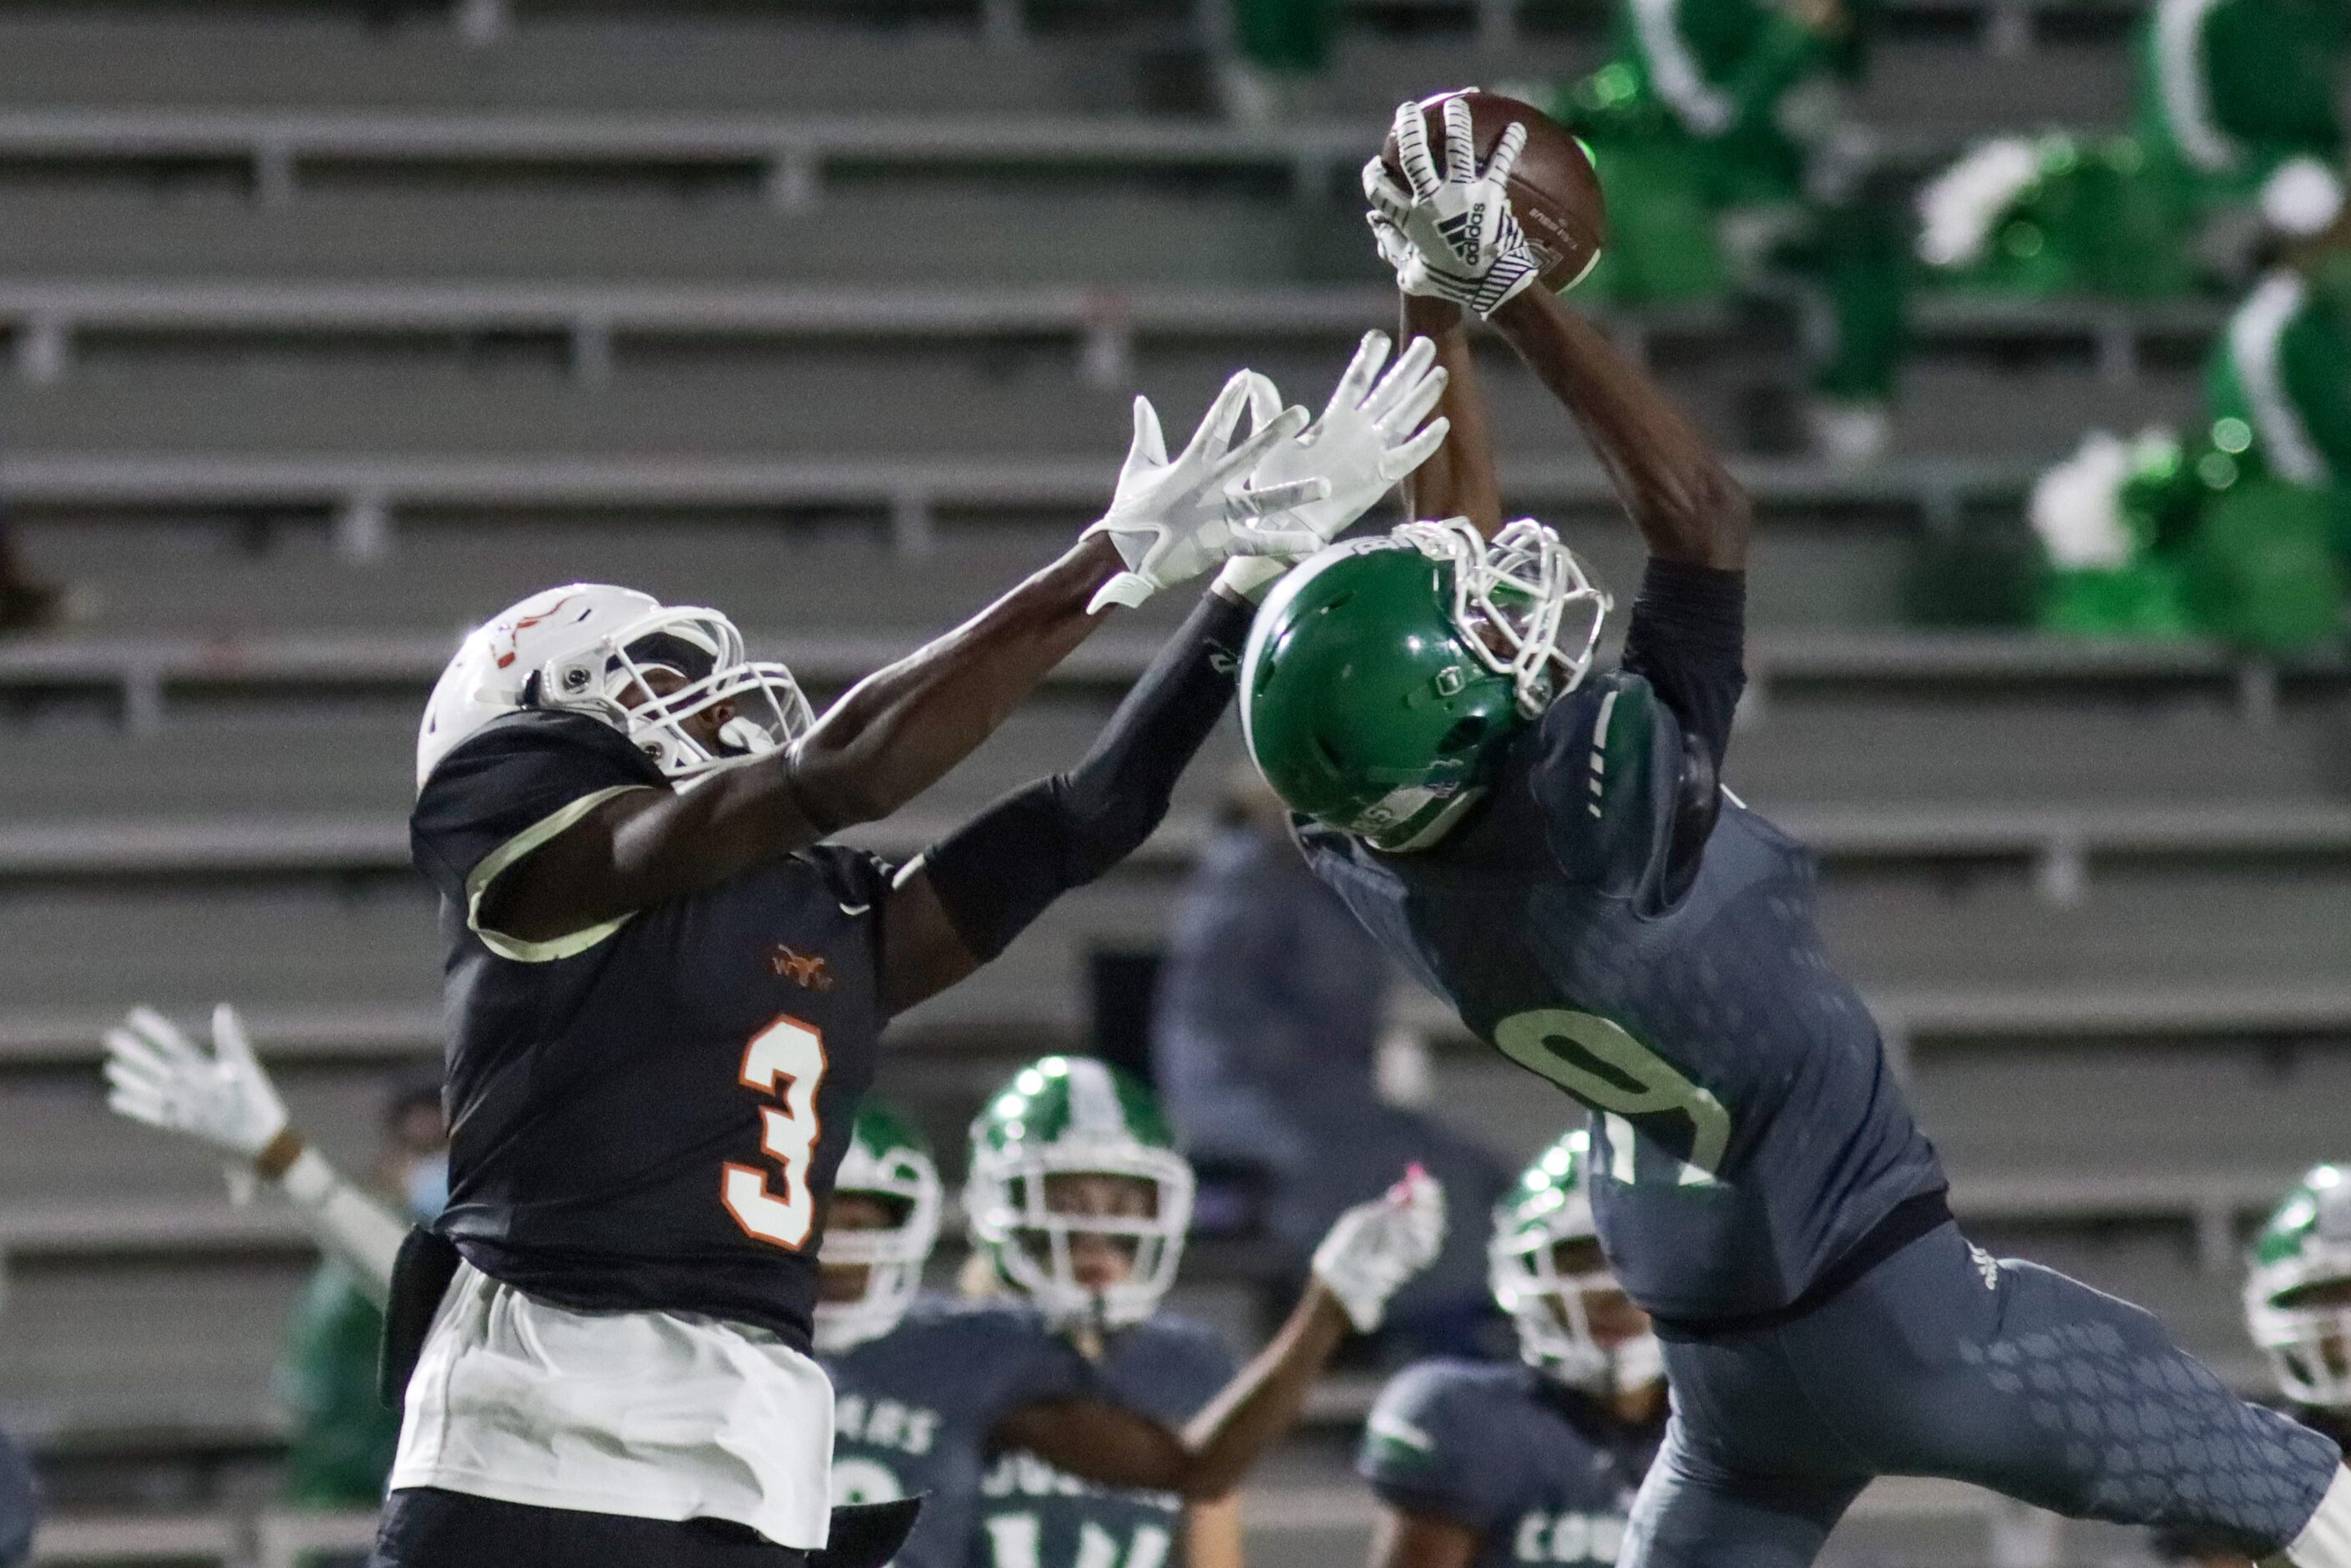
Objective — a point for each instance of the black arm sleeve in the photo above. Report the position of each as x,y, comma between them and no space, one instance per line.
1687,638
998,872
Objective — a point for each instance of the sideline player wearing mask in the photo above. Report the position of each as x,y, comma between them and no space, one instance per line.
1483,1466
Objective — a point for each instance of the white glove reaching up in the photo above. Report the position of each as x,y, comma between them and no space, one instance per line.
1172,521
1374,1247
1450,236
221,1097
1369,436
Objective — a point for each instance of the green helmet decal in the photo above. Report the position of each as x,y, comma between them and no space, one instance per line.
1073,1116
1383,678
1551,1204
2298,1295
887,1159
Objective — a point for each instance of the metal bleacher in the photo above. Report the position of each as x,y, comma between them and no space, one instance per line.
330,333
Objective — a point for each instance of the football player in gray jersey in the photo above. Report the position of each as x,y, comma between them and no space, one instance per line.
1546,844
1059,1430
1485,1466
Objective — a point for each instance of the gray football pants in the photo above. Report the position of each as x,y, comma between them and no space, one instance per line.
1940,1362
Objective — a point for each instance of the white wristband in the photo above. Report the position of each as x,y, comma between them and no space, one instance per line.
346,1222
1249,576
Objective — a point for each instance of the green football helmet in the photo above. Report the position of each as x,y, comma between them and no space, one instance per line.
1550,1205
2298,1297
1075,1115
1382,677
887,1160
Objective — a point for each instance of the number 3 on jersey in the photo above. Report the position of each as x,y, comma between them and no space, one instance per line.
786,1061
1596,1060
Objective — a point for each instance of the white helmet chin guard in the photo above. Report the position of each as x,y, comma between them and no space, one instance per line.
1546,1307
588,648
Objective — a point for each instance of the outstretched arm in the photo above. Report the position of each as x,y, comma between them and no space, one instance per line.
222,1100
1370,1253
899,730
962,901
1685,504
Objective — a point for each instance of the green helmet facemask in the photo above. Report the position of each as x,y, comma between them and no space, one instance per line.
1382,677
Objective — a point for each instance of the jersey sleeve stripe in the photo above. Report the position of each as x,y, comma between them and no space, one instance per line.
514,849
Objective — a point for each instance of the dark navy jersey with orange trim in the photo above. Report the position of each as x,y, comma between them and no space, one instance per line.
1609,921
648,1116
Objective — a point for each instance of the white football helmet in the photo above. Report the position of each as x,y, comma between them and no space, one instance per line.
586,648
1552,1204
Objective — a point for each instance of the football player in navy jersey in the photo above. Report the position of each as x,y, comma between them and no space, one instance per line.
663,986
1485,1466
963,1401
1080,1203
1546,845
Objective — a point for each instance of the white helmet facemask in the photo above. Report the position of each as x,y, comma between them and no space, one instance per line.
891,1256
1511,596
1011,1210
2308,1346
702,655
1547,1306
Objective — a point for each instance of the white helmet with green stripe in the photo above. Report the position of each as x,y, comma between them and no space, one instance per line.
1543,1264
2298,1299
889,1162
1067,1117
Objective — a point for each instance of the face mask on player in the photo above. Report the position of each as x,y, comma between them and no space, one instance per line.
1546,1270
1076,1195
669,670
2298,1299
888,1165
1511,596
674,680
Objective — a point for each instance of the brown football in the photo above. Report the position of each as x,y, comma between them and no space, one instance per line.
1553,189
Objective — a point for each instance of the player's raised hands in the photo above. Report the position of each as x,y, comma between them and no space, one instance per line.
1450,234
219,1097
1369,435
1172,520
1374,1248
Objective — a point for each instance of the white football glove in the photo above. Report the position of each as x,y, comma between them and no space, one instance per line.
1369,436
1172,521
1450,235
220,1098
1374,1247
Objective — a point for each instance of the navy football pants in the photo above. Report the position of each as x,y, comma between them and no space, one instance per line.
1940,1362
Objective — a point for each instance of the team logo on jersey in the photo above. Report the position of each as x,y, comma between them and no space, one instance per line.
809,971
